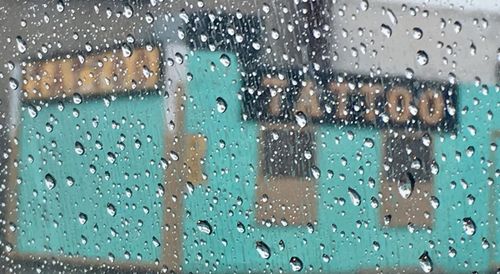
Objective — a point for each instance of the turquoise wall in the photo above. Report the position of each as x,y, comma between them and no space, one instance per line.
49,219
232,173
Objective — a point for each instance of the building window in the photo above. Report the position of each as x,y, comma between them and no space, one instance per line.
287,153
286,187
407,179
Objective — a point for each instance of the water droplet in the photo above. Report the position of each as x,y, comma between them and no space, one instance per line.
369,143
79,148
263,250
225,60
240,227
70,181
82,218
301,119
473,49
355,198
425,262
417,33
422,58
457,27
434,202
204,226
32,111
126,50
221,105
386,30
434,168
392,17
452,252
111,209
60,6
21,44
296,264
13,83
149,18
50,181
364,5
275,34
485,244
316,172
405,185
128,11
77,98
469,226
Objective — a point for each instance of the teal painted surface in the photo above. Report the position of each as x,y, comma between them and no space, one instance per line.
48,219
229,195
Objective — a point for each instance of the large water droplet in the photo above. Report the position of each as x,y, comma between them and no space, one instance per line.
82,218
21,44
392,17
50,181
32,111
364,5
417,33
405,186
111,209
13,83
225,60
60,6
301,119
296,264
422,58
263,250
425,262
469,226
386,30
79,148
434,202
126,50
316,172
221,105
355,198
204,226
